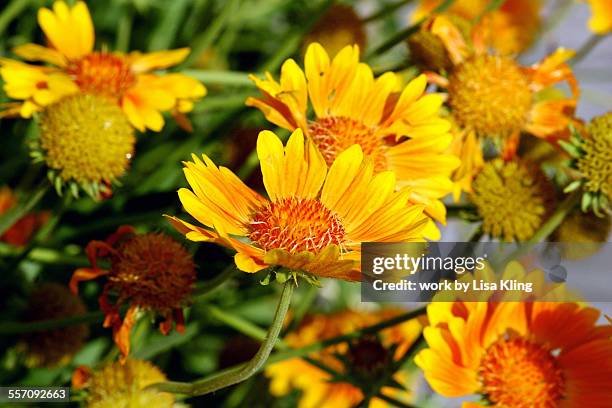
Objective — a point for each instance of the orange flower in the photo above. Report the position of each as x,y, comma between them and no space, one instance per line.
540,354
76,67
21,232
365,354
149,271
492,96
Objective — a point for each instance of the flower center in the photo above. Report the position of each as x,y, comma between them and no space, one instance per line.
295,224
333,135
103,73
519,373
512,198
490,94
86,139
153,271
596,163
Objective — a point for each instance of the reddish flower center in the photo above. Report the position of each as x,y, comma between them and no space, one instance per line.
519,373
102,73
333,135
296,224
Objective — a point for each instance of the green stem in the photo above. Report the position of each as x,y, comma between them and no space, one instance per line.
11,11
124,31
386,10
402,35
586,48
242,325
320,345
19,327
241,373
8,219
211,77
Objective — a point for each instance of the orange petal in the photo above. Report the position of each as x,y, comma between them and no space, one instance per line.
84,274
80,377
122,334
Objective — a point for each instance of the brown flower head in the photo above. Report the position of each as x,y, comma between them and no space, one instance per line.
150,272
51,348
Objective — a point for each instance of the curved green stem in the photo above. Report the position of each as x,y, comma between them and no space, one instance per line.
385,11
586,48
8,219
11,11
240,373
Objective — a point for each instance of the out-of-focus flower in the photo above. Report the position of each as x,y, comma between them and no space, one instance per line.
540,354
314,220
125,79
339,27
402,132
510,29
591,150
601,19
123,385
492,96
514,198
150,272
583,234
86,142
314,383
49,348
21,232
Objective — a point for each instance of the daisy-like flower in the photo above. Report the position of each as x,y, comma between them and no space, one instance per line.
601,19
21,232
150,272
401,132
339,27
587,230
365,355
510,29
123,385
513,198
51,348
492,96
126,79
314,220
537,355
591,151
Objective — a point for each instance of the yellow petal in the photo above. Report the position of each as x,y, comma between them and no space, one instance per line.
157,60
35,52
70,30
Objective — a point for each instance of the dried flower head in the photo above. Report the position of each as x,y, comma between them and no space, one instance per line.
149,272
56,347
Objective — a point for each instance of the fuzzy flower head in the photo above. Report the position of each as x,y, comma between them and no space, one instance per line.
21,232
123,385
51,348
398,129
510,29
149,272
364,358
339,27
492,98
74,66
540,354
314,220
591,151
513,198
86,143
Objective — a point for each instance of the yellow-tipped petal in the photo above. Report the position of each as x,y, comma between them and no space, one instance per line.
158,59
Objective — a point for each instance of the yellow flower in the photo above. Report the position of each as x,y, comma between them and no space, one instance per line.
127,79
510,29
601,20
123,385
339,27
540,354
514,199
399,132
314,220
50,348
492,96
314,383
583,234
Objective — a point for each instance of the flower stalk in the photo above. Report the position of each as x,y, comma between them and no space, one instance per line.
236,375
